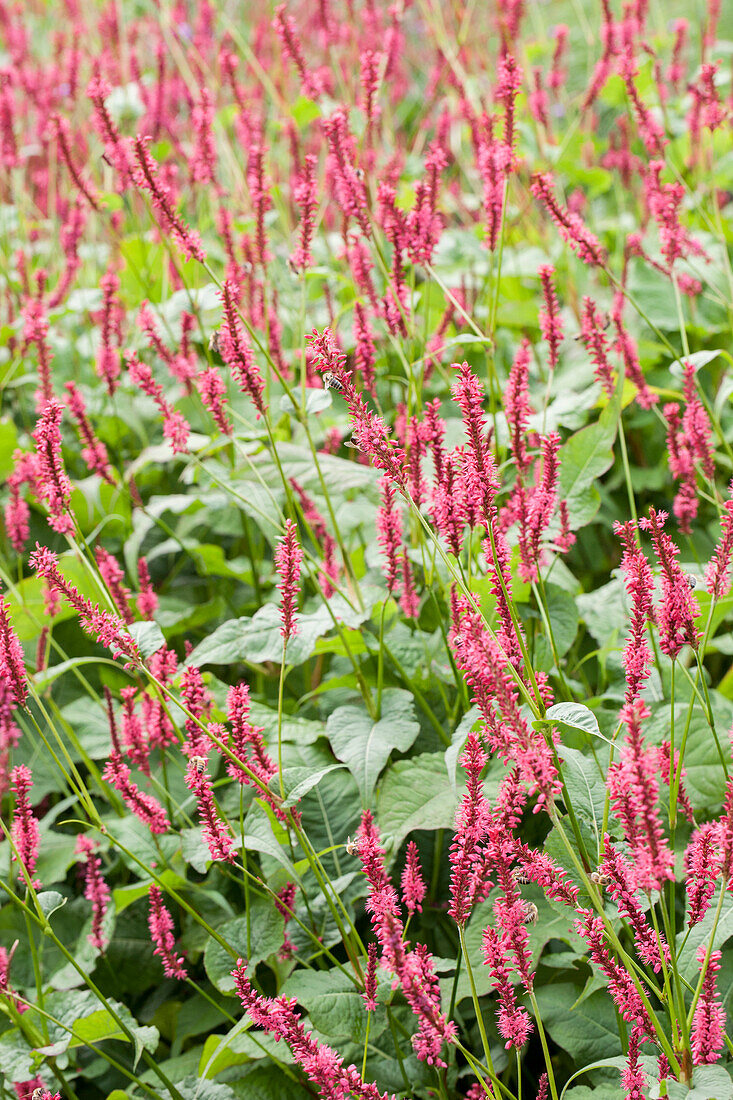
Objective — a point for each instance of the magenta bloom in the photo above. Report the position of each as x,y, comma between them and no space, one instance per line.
12,662
144,806
703,864
413,885
321,1064
52,484
216,833
551,324
236,352
625,994
513,1021
482,481
678,608
147,177
288,559
147,601
389,533
109,629
96,889
717,573
113,577
370,978
370,433
621,888
639,583
471,823
633,784
413,970
160,924
570,225
306,196
25,832
94,451
708,1023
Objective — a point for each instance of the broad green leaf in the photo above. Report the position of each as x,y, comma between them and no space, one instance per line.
258,639
8,444
416,794
298,781
708,1083
149,637
365,745
49,901
696,359
267,1082
334,1004
563,618
576,715
587,1031
238,1047
586,787
583,458
265,938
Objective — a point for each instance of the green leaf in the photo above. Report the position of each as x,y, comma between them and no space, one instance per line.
298,781
365,745
417,794
267,1082
583,458
149,637
265,938
575,715
334,1005
258,639
696,359
587,1031
563,617
586,787
8,443
50,901
708,1083
315,401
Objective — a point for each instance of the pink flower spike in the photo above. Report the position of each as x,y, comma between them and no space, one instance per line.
288,559
109,629
160,924
570,225
144,806
370,979
717,572
236,352
551,324
389,533
306,196
96,889
216,833
320,1063
52,484
678,608
148,178
639,584
513,1022
12,661
147,601
708,1023
93,452
25,832
413,885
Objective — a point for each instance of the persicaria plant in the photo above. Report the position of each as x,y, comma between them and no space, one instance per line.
366,699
